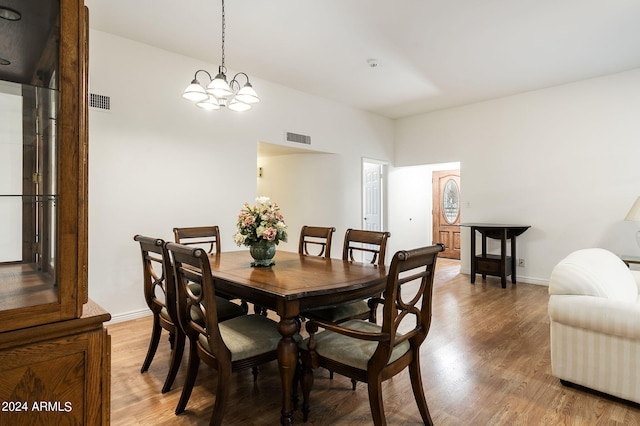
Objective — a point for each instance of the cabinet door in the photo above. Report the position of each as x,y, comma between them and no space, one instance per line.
43,158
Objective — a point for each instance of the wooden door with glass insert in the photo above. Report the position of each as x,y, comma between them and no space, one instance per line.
446,211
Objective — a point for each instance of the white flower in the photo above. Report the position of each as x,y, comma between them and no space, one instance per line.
263,200
239,238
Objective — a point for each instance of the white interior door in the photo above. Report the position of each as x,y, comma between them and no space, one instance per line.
372,198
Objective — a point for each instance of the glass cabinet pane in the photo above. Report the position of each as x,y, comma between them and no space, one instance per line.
29,105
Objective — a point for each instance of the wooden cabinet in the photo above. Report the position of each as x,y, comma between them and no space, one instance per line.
54,349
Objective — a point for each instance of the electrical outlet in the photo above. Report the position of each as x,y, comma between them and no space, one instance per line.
521,262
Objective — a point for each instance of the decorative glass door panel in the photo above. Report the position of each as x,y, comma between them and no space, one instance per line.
42,163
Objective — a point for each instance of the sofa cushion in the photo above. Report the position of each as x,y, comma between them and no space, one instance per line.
594,272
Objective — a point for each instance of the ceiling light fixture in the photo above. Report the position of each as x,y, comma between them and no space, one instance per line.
9,14
218,92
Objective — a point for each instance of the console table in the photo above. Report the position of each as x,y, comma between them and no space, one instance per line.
630,259
490,264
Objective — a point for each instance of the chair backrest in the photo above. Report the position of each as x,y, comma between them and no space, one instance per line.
201,236
368,242
158,278
197,313
318,236
407,299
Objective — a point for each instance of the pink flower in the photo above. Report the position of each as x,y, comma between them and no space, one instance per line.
269,234
248,221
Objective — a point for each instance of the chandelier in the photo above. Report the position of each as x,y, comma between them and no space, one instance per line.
218,93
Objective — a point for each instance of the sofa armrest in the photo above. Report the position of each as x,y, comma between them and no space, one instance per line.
598,314
636,276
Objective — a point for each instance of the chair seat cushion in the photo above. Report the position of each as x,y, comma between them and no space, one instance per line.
227,309
350,351
165,314
340,312
247,336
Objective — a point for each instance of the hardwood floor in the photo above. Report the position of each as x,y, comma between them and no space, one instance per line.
485,362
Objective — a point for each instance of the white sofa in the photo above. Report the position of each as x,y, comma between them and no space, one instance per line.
595,323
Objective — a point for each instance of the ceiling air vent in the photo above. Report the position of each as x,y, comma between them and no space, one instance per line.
100,102
295,137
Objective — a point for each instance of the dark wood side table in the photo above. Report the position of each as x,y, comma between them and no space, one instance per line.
630,260
490,264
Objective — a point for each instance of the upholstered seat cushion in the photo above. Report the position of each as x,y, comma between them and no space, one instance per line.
195,289
227,309
351,351
165,314
339,312
247,336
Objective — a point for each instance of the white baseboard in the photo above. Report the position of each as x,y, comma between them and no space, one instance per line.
128,316
519,278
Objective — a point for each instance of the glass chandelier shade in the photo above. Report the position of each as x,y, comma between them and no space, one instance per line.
219,93
219,87
236,105
247,94
209,104
194,92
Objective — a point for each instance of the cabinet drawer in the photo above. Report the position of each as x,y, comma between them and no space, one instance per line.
488,266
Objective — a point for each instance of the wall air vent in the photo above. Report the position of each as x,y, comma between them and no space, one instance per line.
100,102
295,137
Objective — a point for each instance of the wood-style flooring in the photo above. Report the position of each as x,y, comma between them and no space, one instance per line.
485,362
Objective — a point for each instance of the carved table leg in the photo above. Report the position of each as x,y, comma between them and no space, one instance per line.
287,362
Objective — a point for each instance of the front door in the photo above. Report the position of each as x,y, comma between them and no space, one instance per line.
446,212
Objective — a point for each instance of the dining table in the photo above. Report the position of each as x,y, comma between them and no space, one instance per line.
295,283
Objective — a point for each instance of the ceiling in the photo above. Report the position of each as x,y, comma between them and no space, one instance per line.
431,54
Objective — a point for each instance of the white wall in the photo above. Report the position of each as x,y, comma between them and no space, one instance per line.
304,185
156,161
563,160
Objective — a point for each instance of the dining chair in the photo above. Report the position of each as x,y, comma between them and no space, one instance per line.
202,236
318,238
372,353
236,344
160,295
159,292
372,244
205,237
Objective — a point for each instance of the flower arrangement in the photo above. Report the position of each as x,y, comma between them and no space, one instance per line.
260,223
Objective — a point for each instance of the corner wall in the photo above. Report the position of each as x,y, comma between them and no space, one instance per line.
563,160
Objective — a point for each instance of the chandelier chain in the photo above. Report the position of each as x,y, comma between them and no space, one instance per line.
223,31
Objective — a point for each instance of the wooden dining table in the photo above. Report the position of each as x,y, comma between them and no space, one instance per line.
294,284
